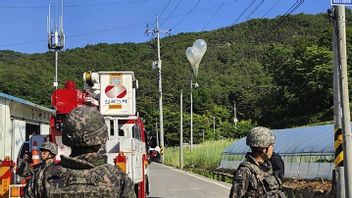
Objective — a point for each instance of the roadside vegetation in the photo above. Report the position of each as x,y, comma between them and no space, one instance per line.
204,158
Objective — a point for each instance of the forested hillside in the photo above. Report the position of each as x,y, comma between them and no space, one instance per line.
280,79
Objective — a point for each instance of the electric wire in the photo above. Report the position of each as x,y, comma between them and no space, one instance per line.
271,8
279,21
255,9
294,7
77,35
111,29
70,6
244,11
172,12
215,13
165,8
202,10
194,6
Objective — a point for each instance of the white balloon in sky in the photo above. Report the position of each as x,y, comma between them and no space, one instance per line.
192,58
195,54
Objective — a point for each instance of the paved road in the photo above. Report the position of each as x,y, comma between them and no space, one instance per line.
174,183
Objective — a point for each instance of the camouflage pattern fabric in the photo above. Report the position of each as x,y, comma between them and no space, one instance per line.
251,180
34,187
86,176
52,147
25,170
260,137
83,127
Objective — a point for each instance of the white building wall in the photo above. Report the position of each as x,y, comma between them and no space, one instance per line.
5,129
19,137
13,118
44,129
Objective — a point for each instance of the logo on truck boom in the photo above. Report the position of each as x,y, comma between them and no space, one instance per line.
115,91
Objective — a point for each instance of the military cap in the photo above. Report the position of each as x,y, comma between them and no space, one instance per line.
260,137
83,127
52,147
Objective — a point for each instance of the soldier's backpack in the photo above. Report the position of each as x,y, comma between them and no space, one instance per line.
95,182
269,182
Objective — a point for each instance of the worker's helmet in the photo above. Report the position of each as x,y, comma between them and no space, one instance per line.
83,127
52,147
260,137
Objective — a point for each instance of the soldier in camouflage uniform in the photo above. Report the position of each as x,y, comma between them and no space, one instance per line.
85,173
254,177
48,151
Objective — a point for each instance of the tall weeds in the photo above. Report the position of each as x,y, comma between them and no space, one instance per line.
205,156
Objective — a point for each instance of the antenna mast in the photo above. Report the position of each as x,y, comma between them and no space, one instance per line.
56,37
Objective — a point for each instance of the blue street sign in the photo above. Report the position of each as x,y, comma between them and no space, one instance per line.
341,2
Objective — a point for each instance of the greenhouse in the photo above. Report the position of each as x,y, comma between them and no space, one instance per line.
308,152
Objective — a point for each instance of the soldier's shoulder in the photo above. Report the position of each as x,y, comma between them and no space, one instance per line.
246,166
111,170
55,170
243,170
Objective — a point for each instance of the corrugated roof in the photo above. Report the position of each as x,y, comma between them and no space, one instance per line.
314,139
25,102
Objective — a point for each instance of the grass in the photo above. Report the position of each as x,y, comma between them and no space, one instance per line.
205,156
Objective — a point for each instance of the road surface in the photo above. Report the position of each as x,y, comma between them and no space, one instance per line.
174,183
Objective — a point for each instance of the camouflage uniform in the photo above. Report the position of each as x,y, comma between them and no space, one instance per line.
99,179
85,175
253,179
34,186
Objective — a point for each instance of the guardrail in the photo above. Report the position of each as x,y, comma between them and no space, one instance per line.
222,176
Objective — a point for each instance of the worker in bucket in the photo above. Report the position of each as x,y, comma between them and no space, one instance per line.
254,177
86,172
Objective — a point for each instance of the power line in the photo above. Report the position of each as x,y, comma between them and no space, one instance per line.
110,29
258,39
24,43
215,13
107,30
294,7
255,9
194,6
173,10
271,8
203,9
165,8
70,6
79,35
244,11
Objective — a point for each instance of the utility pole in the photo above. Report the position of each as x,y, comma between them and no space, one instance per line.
161,117
203,134
191,116
340,24
181,129
214,124
235,120
157,133
338,143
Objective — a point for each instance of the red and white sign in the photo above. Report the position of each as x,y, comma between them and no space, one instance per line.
118,96
113,91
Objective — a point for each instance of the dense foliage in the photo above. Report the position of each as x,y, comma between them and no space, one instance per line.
280,79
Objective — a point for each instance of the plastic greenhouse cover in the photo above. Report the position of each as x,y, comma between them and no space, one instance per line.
301,140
